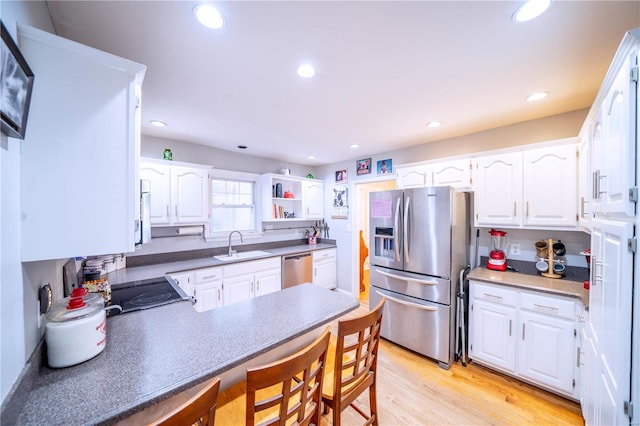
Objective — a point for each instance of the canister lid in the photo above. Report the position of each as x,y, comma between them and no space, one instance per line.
73,308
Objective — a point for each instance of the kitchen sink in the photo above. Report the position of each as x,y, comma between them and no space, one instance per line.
242,255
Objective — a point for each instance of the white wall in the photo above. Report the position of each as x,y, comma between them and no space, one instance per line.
18,318
345,231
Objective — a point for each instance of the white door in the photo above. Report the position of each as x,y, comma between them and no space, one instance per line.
190,188
456,174
498,190
610,303
313,195
546,350
208,296
412,177
268,281
237,289
550,186
492,337
159,177
618,170
324,273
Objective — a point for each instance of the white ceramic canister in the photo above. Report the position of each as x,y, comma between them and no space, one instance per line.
75,332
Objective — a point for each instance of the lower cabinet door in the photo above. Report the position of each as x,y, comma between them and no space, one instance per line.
492,335
268,281
208,296
237,289
547,350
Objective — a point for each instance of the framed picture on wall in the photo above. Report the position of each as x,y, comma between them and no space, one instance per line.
363,167
16,80
384,167
341,176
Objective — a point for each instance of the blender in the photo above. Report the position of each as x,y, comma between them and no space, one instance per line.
499,248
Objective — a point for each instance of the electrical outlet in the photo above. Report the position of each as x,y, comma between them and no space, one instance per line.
515,248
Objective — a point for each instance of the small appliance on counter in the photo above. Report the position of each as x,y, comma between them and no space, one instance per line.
499,249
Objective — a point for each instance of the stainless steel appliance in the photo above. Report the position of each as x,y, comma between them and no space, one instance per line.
143,228
296,269
419,241
144,294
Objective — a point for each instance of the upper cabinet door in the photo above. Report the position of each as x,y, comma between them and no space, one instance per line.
550,186
498,189
617,167
412,177
159,177
584,184
80,142
190,187
456,174
313,196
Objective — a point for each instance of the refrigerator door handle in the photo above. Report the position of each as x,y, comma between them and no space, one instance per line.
405,238
396,247
400,277
402,302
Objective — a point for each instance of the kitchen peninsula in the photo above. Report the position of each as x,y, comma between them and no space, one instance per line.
156,353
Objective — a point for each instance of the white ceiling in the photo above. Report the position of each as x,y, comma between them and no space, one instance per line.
383,68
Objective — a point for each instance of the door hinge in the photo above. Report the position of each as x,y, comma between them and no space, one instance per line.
573,383
633,194
575,333
632,244
628,409
633,74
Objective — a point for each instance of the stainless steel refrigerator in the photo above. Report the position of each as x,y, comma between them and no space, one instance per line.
419,243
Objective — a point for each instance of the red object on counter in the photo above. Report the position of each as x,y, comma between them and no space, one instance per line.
586,285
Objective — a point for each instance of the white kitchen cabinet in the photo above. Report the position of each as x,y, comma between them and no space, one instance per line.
324,268
498,190
208,289
535,188
549,186
613,142
179,193
79,171
290,198
412,176
610,311
313,197
526,334
453,173
492,326
243,281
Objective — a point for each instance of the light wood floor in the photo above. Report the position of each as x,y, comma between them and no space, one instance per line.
413,390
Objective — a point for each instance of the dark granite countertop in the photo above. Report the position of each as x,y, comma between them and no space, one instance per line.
157,353
167,264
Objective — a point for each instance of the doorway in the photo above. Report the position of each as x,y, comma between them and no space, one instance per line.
362,191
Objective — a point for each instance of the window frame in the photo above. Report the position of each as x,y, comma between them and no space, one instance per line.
218,236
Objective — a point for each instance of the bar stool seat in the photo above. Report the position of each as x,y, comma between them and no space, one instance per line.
199,410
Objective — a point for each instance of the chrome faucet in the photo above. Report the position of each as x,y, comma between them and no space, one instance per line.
232,251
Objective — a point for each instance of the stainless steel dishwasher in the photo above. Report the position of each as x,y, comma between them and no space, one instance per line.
296,269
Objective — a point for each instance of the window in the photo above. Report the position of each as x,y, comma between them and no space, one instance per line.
233,202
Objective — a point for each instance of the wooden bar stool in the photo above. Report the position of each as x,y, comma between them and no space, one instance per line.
291,387
356,359
199,410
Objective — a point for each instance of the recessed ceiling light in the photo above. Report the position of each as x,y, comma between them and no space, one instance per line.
158,123
531,9
434,124
354,146
208,16
306,71
311,157
537,96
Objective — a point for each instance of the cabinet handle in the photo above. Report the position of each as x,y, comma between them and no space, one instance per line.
258,286
510,321
176,210
219,295
545,307
515,203
582,203
527,209
315,272
209,277
522,331
493,295
577,357
167,210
